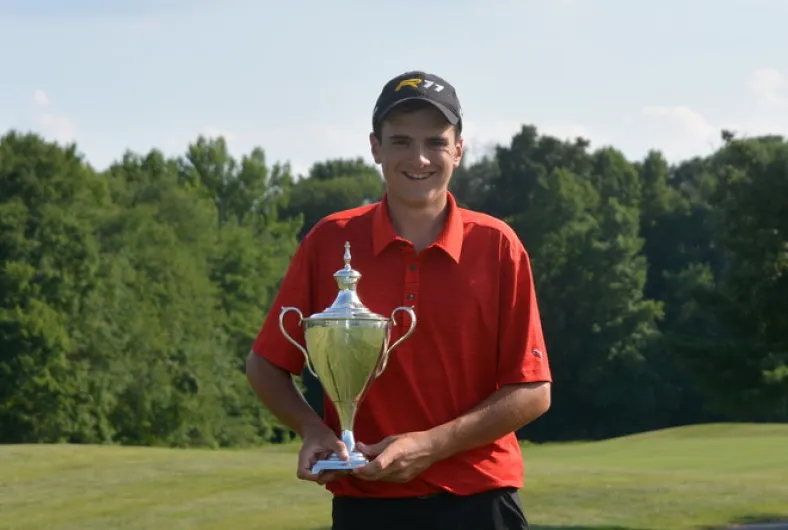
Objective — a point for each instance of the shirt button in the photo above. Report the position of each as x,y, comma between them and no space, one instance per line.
411,296
413,267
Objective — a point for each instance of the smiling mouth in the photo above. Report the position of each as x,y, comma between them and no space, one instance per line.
418,176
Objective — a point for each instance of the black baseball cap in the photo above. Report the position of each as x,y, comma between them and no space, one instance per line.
418,85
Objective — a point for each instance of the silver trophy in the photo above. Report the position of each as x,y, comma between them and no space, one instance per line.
347,348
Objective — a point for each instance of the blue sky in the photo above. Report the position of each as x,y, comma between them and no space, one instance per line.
300,78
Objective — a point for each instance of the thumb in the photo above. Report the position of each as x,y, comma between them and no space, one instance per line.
371,451
340,449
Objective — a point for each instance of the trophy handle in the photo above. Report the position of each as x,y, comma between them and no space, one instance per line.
286,310
387,351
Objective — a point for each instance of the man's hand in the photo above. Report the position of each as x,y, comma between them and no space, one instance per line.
397,458
319,443
403,457
276,389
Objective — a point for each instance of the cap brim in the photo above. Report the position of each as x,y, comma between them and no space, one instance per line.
450,116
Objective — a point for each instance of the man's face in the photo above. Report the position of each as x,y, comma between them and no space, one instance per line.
418,152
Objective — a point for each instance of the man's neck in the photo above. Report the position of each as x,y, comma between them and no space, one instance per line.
422,225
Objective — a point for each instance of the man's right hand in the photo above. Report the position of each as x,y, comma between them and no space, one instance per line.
319,443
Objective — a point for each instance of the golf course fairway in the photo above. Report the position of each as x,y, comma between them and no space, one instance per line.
699,477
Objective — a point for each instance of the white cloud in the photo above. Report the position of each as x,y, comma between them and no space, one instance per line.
768,86
681,132
482,137
769,114
325,141
300,145
678,131
571,131
684,117
216,132
40,98
50,123
58,126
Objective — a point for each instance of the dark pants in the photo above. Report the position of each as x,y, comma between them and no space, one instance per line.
498,509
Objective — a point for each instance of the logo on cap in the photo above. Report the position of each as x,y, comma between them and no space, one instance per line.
413,83
417,82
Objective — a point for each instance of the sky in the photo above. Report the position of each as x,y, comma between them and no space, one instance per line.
299,78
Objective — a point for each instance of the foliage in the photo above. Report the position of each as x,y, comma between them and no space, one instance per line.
129,298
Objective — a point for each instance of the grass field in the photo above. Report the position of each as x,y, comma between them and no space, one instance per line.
688,478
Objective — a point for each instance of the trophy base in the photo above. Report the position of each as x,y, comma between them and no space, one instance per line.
357,459
334,463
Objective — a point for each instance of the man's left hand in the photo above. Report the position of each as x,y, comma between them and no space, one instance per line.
397,458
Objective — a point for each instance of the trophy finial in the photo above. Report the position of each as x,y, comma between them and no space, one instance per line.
347,278
347,255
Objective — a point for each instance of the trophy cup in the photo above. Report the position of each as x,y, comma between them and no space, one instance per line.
347,348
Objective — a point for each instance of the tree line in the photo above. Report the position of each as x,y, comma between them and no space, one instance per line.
129,297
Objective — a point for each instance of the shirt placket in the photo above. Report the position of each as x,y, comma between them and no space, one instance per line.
410,293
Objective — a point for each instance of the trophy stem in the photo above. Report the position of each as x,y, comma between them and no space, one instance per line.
349,440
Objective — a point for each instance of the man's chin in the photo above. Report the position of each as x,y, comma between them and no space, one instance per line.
419,198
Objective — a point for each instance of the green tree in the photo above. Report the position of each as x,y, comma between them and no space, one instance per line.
333,186
49,200
738,346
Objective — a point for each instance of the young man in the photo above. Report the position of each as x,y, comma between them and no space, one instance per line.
438,424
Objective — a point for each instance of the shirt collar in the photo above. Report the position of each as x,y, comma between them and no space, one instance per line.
449,239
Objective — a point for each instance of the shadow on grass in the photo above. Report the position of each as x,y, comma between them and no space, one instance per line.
546,527
756,522
750,522
552,527
747,522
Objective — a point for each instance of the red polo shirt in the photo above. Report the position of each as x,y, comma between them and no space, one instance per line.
478,328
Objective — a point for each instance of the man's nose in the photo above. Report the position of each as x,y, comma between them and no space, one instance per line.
418,154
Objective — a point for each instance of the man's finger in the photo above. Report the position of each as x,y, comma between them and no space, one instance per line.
372,471
328,476
306,461
366,450
304,471
371,451
341,450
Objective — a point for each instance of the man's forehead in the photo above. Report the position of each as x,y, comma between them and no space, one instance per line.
418,134
404,127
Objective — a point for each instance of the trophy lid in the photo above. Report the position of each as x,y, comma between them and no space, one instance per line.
347,305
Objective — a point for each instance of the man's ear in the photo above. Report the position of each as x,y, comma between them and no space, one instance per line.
374,145
459,148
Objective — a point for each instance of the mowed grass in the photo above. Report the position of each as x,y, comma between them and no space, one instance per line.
695,477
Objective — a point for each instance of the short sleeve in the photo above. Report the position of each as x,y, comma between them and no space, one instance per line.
522,354
295,291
